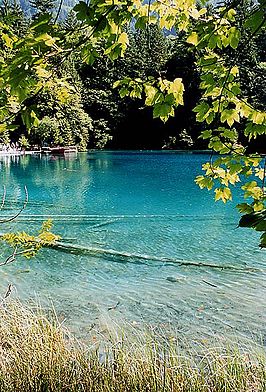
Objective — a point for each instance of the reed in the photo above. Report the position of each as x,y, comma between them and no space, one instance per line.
38,354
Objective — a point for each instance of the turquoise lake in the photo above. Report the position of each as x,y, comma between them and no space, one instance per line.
145,212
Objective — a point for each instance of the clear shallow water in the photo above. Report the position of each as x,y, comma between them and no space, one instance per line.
136,204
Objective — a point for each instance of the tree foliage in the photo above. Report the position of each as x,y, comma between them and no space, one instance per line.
28,245
233,120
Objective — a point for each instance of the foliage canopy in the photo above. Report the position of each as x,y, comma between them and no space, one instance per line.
233,122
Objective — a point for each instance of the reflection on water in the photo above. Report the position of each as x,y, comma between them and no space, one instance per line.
143,204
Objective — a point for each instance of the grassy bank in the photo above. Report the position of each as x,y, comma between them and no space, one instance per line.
39,355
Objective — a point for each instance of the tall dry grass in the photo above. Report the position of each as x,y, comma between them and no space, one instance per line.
37,354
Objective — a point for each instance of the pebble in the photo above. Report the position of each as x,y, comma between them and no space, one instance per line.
175,279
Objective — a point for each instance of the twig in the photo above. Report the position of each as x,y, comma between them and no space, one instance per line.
58,11
173,308
210,284
13,256
114,307
10,258
7,293
20,211
264,178
104,224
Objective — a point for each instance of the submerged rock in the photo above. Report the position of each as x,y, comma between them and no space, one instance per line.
175,279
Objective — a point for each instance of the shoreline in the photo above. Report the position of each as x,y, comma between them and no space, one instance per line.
39,354
39,152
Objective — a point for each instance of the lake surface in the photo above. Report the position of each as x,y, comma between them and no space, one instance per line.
145,211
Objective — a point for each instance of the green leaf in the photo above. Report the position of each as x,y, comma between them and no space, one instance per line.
177,89
206,134
216,144
136,91
41,24
141,22
7,40
263,241
230,116
223,194
89,55
255,20
231,15
193,38
255,220
162,110
258,117
244,208
234,71
212,41
29,118
123,92
234,37
252,190
254,130
210,115
82,10
150,94
123,38
201,110
46,38
117,83
235,167
229,134
204,182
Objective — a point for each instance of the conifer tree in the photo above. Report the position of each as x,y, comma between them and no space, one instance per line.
42,7
71,23
12,14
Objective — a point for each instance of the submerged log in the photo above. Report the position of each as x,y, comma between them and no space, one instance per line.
126,256
80,249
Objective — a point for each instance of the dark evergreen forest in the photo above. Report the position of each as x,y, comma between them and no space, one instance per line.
96,116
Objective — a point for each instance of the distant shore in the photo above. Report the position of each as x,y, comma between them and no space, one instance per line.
34,152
